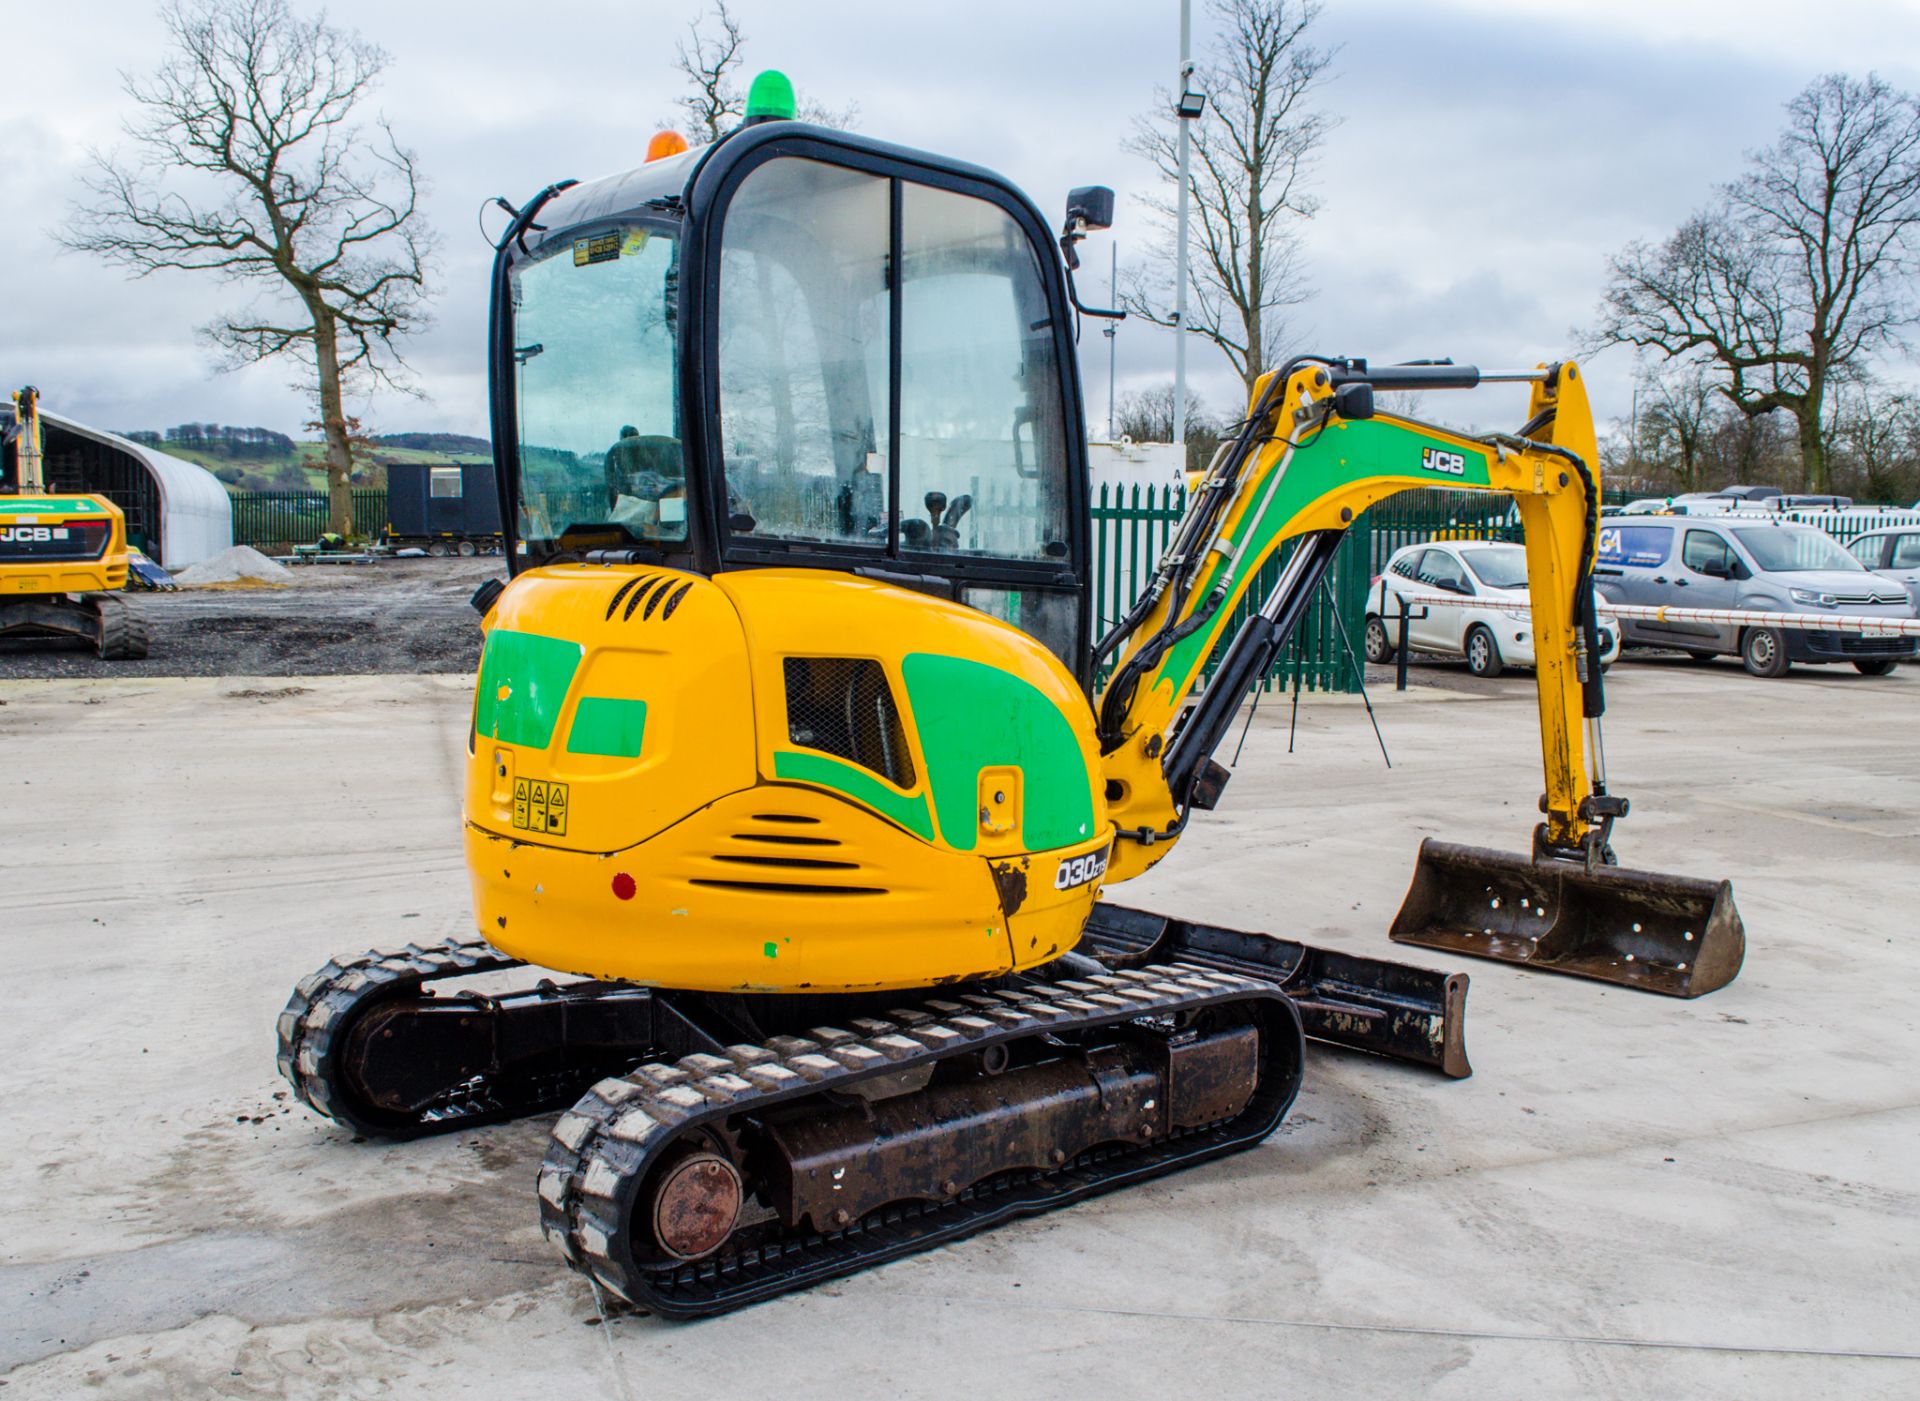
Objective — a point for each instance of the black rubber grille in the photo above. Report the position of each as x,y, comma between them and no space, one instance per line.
1873,646
845,707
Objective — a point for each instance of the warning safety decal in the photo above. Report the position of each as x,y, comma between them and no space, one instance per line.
540,806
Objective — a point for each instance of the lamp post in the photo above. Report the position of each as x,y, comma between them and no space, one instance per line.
1112,333
1187,109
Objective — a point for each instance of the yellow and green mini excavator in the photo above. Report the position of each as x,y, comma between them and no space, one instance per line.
791,743
63,557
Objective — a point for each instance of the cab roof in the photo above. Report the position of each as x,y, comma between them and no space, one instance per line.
690,181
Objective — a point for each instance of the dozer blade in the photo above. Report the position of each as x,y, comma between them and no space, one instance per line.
1658,933
1366,1004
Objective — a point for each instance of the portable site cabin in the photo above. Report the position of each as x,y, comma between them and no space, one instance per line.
445,505
177,511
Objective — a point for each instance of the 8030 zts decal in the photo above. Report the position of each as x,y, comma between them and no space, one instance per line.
1079,870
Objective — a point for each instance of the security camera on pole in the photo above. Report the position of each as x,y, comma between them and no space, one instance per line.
1187,108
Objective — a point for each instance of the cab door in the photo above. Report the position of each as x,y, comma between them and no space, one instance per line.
887,381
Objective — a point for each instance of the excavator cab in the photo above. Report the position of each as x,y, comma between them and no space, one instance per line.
801,348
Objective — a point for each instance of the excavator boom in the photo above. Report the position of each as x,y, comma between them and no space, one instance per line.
1311,456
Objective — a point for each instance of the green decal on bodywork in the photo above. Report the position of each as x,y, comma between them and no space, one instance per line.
608,726
48,506
971,716
1347,452
523,685
861,785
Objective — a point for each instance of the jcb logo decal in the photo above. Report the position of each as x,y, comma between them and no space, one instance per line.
25,533
1440,460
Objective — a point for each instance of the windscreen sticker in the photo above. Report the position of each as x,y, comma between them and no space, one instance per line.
601,248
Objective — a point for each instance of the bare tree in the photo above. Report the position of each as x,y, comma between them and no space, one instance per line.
248,165
1146,416
1252,156
714,103
1875,438
1799,271
1681,412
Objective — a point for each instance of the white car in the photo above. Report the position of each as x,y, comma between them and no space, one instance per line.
1489,636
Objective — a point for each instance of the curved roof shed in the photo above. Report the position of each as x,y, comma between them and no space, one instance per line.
177,511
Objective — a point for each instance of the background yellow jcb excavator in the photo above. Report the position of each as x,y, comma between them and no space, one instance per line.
63,558
793,740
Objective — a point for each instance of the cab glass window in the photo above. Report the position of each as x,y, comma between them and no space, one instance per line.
1906,553
444,481
593,346
803,354
1049,616
982,450
1407,566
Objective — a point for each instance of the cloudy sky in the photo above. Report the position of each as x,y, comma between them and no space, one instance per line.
1490,155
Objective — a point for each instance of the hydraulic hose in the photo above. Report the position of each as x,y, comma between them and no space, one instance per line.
1585,614
1173,628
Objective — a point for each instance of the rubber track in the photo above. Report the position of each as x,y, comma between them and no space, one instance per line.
603,1148
124,636
322,1010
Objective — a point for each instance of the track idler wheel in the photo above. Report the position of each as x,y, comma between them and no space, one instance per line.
696,1202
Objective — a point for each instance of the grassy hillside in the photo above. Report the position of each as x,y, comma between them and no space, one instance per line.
304,467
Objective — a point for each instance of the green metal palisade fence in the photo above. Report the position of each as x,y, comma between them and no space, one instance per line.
298,517
1131,526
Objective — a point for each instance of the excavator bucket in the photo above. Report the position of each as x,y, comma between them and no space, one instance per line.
1658,933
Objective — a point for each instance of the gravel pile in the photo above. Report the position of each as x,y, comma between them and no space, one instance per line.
240,565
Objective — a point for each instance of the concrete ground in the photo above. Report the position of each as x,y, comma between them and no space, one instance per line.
1632,1196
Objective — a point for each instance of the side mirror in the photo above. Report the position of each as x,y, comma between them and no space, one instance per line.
1354,400
1715,569
1090,206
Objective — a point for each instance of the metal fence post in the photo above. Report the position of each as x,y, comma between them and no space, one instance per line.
1400,653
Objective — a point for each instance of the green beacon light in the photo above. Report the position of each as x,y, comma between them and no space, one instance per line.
770,99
